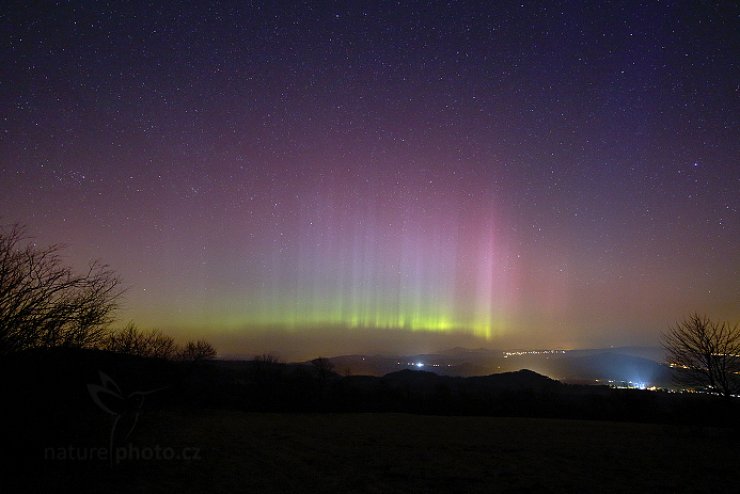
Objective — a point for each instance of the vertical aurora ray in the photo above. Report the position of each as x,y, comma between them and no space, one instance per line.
367,260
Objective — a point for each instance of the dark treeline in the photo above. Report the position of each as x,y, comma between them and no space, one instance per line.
45,386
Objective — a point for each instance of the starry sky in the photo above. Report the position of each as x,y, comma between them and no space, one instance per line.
333,177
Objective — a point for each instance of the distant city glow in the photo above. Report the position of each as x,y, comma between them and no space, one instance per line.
519,353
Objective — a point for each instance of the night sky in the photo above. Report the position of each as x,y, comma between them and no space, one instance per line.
325,178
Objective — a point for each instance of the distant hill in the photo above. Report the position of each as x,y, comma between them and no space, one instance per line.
523,378
636,364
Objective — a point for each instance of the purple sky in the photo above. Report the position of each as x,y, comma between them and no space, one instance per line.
369,176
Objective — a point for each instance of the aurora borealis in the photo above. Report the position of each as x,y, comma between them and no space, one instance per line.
279,175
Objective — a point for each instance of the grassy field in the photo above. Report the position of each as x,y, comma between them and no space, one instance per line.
240,452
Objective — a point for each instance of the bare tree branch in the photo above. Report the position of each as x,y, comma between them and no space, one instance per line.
195,351
43,303
705,353
132,341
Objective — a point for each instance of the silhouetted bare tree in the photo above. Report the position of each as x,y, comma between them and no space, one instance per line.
133,341
129,340
196,351
706,353
267,359
324,367
162,346
266,369
43,303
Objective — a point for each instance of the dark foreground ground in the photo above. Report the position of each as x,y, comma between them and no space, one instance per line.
234,451
266,427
